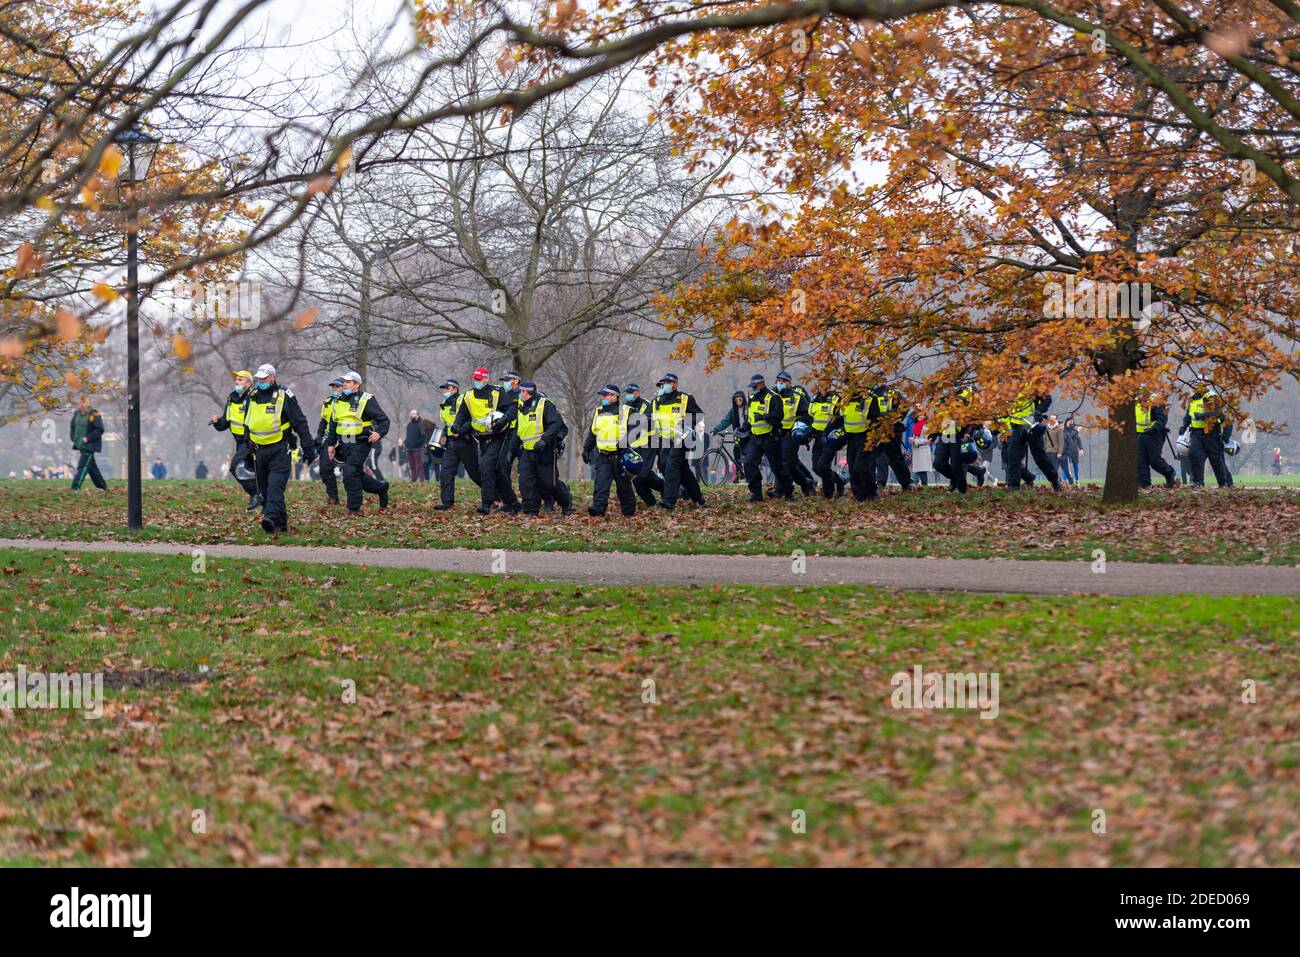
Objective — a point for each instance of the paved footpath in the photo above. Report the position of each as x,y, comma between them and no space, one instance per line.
962,574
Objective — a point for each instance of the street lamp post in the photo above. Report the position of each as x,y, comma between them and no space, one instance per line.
138,149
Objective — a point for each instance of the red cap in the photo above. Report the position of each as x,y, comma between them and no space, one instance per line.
481,374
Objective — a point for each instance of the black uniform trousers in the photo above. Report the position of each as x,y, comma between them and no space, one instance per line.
797,471
647,481
948,463
328,477
538,478
678,475
86,466
891,451
271,464
1150,456
1207,445
504,465
607,468
862,468
1024,438
768,445
491,450
455,453
351,458
823,459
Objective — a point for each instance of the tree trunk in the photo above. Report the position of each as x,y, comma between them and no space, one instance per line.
1121,458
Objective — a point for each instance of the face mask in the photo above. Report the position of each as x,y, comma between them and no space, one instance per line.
628,397
448,394
505,384
665,389
349,391
604,403
782,386
335,393
525,398
263,386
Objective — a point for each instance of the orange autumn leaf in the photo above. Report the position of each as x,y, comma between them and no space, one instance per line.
72,379
321,184
68,323
104,292
305,319
181,346
28,261
110,163
11,348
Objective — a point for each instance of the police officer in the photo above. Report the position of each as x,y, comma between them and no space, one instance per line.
1152,427
949,456
794,403
672,415
358,423
1025,428
857,413
539,427
1205,418
647,481
270,411
480,416
603,451
457,448
327,476
232,418
765,412
509,384
888,452
824,409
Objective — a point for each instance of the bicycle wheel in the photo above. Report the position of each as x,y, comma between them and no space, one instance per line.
718,467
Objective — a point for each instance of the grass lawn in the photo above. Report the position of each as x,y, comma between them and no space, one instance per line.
477,695
1230,527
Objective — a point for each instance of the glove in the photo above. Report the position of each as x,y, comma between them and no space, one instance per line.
309,457
586,459
540,446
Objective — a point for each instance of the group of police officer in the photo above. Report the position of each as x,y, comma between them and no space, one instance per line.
641,447
268,427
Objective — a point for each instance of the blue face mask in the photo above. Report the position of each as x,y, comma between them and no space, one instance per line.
263,386
335,393
782,386
605,403
448,394
505,384
665,389
349,391
628,397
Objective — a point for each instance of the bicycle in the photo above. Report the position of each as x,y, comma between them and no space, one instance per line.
722,468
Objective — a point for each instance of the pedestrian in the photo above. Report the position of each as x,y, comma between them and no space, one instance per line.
414,443
1073,448
87,433
1054,444
201,470
158,470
